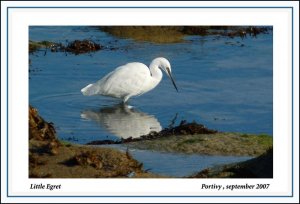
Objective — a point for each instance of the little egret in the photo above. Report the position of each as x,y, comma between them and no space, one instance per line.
132,79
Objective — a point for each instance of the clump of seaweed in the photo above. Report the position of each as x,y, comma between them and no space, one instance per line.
82,46
185,128
39,129
75,47
42,131
89,158
107,165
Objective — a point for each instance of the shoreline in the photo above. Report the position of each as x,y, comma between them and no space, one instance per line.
50,157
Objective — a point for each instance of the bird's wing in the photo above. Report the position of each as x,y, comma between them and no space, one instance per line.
125,80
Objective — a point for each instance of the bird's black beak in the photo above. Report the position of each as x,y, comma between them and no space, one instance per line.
170,75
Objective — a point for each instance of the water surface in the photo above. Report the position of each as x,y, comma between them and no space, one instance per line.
178,164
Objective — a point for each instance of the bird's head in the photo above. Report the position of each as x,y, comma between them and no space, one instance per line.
165,65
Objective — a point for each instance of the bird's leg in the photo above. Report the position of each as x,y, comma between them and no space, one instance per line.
125,99
125,102
125,106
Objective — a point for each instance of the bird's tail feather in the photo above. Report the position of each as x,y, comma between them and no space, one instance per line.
89,90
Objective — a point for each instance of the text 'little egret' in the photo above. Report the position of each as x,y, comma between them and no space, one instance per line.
132,79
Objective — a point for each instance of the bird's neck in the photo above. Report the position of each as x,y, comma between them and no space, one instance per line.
155,72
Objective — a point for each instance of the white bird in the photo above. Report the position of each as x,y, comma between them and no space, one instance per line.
132,79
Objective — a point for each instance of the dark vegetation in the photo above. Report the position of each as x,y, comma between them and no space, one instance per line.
75,47
174,34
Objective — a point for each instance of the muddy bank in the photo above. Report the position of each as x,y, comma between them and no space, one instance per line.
174,34
234,144
194,138
259,167
51,158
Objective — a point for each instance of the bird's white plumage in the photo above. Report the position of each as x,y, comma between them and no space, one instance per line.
129,80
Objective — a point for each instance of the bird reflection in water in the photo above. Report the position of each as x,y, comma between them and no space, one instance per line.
123,121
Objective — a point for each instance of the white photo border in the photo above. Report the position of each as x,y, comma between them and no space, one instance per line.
13,186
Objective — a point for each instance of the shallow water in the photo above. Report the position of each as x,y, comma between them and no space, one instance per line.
162,163
225,84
